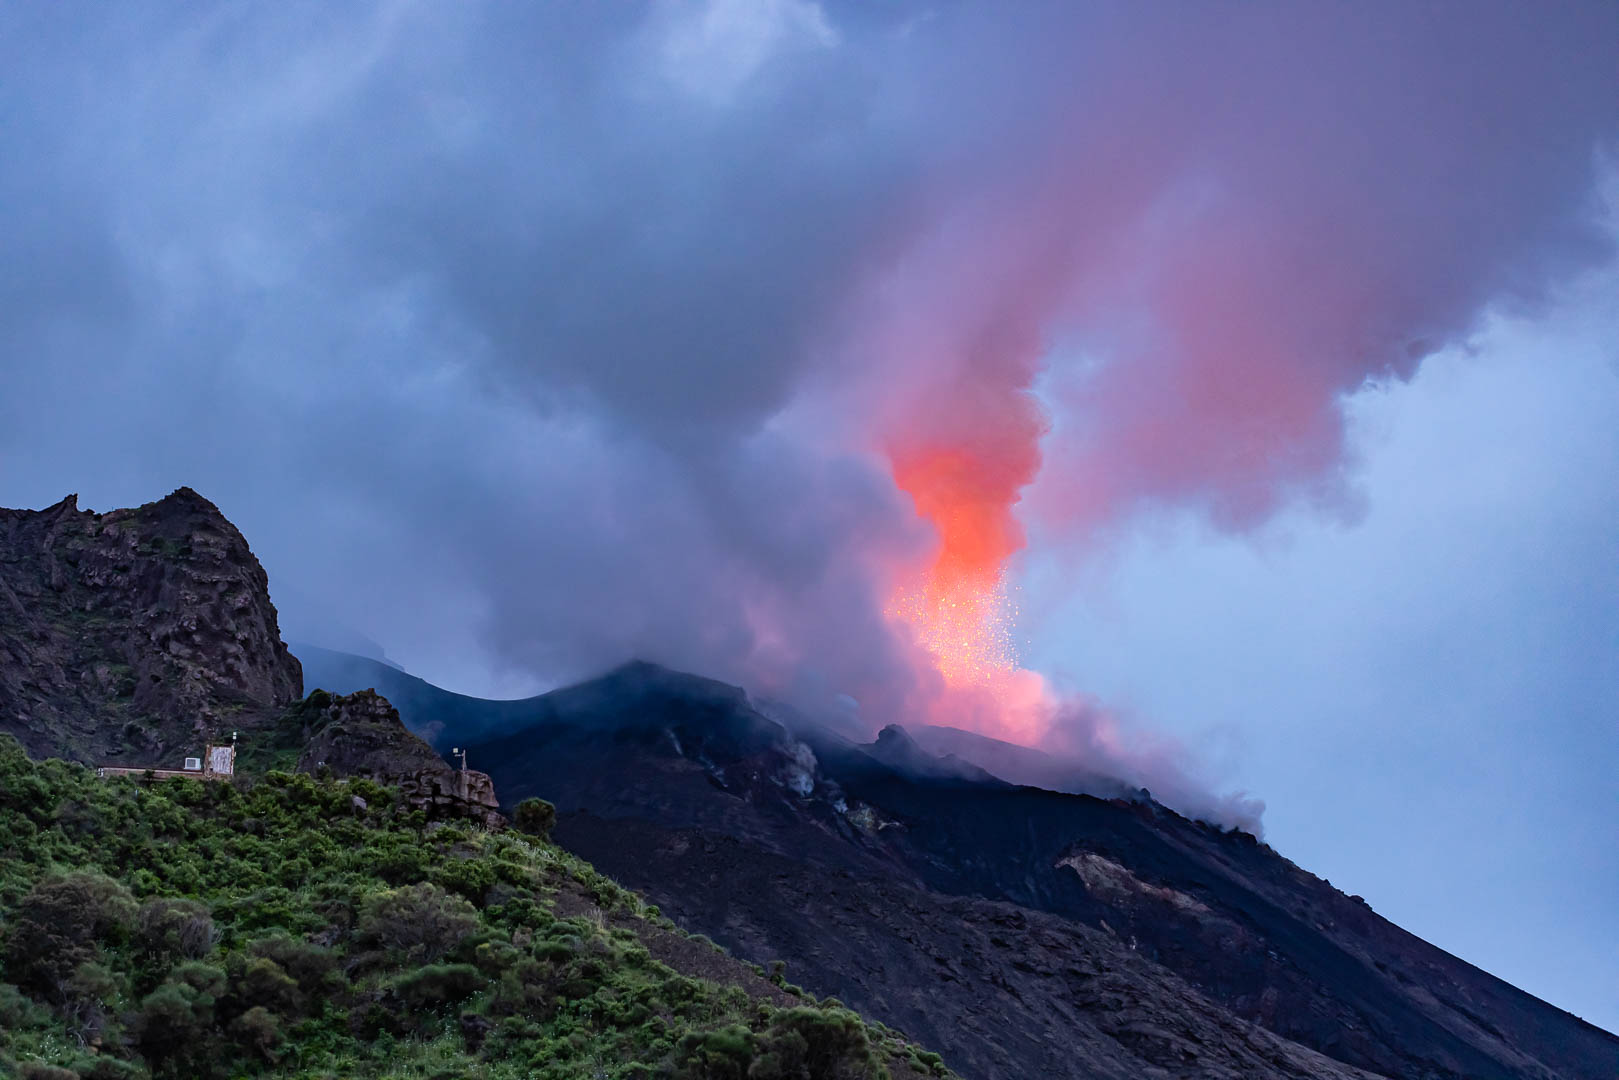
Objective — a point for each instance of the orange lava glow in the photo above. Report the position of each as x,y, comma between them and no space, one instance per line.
971,507
966,626
958,607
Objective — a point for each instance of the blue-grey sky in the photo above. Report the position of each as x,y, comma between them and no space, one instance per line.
1424,694
521,339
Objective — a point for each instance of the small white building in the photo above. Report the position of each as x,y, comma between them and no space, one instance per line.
217,763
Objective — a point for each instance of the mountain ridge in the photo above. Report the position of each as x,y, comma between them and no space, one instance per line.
1225,917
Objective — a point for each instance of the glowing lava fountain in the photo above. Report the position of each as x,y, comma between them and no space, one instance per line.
958,607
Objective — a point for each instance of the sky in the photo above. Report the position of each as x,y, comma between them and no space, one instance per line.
1224,396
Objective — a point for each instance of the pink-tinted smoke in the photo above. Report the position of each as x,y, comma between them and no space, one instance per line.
1194,232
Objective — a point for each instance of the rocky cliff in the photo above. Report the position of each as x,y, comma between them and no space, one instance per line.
360,734
135,635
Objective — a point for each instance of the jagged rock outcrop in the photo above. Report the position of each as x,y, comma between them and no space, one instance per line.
457,793
135,635
360,734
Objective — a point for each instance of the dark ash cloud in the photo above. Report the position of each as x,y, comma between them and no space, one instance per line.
522,339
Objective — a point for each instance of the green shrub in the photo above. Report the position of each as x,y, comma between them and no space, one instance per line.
16,1010
725,1054
401,865
63,922
312,967
439,984
169,930
90,997
469,877
35,1070
176,1019
261,981
494,957
557,950
421,921
259,1030
816,1044
102,1067
535,817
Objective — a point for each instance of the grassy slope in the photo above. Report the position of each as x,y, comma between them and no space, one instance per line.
275,928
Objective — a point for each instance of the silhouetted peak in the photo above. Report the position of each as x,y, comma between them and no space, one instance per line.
895,738
645,678
186,500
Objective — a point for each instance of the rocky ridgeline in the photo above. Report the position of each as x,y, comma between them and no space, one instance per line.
135,635
360,735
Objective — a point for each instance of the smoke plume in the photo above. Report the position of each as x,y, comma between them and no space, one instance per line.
749,337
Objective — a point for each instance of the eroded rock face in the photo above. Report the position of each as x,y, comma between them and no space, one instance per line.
135,634
360,734
461,793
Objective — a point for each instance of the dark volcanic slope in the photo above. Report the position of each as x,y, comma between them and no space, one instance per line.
136,634
1001,990
1270,941
426,709
1023,932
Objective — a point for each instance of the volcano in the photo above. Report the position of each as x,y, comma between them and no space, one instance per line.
1022,931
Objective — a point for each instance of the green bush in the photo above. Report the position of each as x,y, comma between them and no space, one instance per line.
102,1067
816,1044
169,930
63,922
439,984
421,921
310,942
725,1054
259,1029
261,981
16,1010
38,1071
402,865
311,967
175,1021
469,877
535,817
90,998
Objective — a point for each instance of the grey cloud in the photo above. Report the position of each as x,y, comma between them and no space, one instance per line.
490,327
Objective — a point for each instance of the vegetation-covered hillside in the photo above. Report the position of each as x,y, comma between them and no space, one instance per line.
293,926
